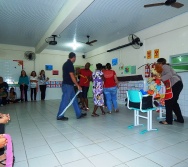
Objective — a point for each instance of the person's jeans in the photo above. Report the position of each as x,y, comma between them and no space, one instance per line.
68,94
111,97
33,90
43,91
23,90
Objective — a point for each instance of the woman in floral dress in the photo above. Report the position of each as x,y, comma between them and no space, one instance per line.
98,89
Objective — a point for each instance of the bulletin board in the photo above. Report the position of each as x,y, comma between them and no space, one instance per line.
127,85
10,71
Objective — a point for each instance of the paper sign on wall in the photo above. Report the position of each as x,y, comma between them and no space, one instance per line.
156,53
114,61
149,54
127,70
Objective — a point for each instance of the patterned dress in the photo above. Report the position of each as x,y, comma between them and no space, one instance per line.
98,88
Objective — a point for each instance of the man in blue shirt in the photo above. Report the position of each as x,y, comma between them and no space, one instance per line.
68,88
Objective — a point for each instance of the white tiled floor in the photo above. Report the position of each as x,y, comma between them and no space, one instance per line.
42,141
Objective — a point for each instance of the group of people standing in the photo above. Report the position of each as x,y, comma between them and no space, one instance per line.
35,83
105,84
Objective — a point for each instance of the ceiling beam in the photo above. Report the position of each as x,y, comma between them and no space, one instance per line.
69,12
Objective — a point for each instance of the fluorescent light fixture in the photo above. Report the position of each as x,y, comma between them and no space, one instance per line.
74,45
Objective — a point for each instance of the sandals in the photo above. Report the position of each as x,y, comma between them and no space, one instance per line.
117,110
164,123
84,108
94,115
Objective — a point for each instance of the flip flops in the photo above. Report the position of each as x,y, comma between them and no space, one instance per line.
94,115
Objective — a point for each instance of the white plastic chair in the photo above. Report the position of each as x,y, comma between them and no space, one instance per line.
135,96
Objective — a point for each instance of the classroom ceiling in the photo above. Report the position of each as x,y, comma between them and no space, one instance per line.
29,23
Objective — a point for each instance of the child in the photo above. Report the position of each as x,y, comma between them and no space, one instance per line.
12,98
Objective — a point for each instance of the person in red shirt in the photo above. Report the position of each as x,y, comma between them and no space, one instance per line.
110,88
85,78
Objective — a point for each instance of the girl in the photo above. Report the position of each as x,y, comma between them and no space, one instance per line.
12,98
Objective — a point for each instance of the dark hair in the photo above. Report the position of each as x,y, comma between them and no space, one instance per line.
161,60
34,72
108,66
71,55
42,71
22,75
104,67
99,66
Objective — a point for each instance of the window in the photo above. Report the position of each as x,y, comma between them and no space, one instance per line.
179,62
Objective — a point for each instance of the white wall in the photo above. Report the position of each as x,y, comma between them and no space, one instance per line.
51,57
169,36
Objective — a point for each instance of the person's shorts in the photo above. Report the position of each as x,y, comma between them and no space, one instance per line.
84,92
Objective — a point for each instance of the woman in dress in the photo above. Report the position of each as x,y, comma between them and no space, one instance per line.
42,82
98,89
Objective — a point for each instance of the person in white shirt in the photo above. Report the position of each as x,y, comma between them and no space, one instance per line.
42,82
33,85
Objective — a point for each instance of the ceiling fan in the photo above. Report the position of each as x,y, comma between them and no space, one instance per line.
172,3
90,42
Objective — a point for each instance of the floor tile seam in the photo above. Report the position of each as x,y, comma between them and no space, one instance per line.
46,143
72,161
22,140
162,150
40,156
152,161
128,160
175,143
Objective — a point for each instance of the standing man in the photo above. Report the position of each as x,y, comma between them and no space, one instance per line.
85,78
68,88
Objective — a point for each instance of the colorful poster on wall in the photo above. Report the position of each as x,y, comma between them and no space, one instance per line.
55,72
121,67
54,84
114,61
133,69
149,54
48,67
127,70
156,53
